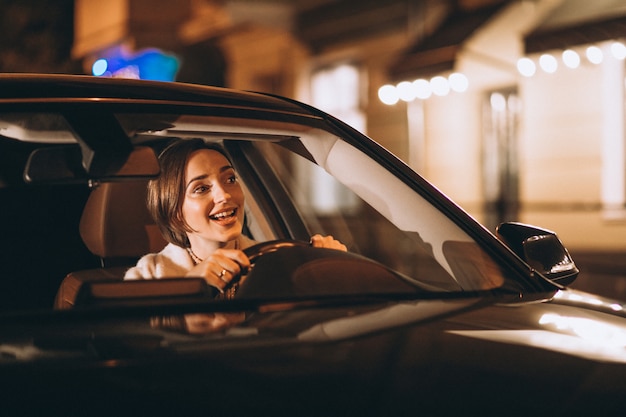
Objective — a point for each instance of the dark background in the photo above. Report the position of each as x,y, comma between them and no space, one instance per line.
36,36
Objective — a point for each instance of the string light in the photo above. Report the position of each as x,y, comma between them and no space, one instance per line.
526,67
570,58
548,63
618,50
423,89
456,82
594,55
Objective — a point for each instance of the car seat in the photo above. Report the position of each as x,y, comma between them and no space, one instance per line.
115,226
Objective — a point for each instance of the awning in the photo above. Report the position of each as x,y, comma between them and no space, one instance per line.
438,51
578,22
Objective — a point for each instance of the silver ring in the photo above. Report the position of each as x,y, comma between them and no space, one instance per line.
222,274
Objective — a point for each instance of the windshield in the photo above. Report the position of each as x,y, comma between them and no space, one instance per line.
356,200
298,180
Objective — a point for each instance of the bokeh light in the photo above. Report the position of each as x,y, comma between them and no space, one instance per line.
388,94
571,59
99,67
440,85
458,82
526,67
548,63
618,49
422,89
406,91
594,55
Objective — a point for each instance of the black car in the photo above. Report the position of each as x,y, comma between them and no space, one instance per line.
428,313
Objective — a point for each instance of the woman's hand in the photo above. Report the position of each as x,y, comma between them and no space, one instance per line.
221,268
329,242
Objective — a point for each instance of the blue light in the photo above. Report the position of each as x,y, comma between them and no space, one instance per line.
147,64
99,67
155,65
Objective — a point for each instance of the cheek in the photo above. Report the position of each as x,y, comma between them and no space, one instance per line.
193,209
237,195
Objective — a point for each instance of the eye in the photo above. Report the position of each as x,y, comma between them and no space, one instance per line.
232,179
200,189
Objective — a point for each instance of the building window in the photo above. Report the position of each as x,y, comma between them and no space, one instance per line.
613,139
500,172
337,91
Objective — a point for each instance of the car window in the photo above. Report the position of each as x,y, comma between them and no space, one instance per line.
380,217
327,186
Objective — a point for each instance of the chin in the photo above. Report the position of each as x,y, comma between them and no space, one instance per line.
232,233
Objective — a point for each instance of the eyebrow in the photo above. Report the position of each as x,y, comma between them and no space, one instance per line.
203,176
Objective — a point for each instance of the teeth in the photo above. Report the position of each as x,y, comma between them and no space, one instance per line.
223,215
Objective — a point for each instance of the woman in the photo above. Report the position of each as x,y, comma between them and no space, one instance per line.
198,204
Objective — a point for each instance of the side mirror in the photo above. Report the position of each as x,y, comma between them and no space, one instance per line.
541,249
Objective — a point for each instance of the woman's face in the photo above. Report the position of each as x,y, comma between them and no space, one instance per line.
213,201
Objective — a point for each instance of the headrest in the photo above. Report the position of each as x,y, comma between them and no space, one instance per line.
116,224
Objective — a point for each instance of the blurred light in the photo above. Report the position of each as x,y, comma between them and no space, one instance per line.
458,82
596,331
147,64
345,80
439,85
388,94
571,59
548,63
335,89
497,101
130,71
99,67
514,103
406,91
422,89
594,55
618,50
526,67
591,339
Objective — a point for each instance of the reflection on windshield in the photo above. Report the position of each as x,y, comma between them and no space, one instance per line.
36,127
382,218
197,324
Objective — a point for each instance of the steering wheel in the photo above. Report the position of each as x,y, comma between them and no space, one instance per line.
260,249
255,252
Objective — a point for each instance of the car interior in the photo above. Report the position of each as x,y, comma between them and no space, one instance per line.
102,226
115,226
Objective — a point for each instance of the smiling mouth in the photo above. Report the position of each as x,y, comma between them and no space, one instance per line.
224,215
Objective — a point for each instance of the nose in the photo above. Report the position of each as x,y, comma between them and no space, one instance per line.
220,194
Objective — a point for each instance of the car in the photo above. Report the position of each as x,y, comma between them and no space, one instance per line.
427,313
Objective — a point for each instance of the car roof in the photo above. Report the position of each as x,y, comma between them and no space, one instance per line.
60,87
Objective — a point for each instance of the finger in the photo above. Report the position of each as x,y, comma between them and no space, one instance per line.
222,275
228,267
339,246
316,241
216,272
240,259
329,242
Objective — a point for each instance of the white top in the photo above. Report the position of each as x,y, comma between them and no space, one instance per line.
172,262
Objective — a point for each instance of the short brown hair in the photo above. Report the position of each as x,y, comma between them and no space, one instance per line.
166,192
